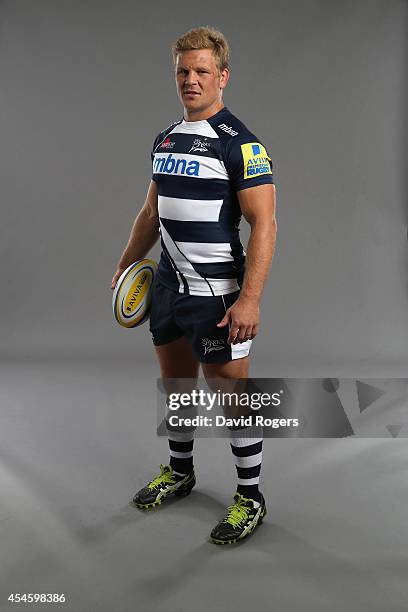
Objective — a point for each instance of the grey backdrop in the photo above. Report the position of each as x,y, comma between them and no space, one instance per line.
86,86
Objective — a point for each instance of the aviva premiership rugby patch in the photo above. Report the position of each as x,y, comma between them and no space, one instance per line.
256,160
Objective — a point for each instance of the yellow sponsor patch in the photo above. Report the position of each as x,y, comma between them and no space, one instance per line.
256,160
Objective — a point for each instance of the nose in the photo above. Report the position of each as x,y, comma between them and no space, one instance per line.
191,78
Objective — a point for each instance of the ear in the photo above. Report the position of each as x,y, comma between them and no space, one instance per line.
224,76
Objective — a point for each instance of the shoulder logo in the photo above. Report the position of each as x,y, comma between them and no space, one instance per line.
256,160
228,129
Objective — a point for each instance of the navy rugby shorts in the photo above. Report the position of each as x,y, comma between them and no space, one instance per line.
173,315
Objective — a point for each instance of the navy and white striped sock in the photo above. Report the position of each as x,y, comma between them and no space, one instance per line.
181,451
246,447
181,441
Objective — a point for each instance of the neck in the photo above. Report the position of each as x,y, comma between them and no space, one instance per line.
200,115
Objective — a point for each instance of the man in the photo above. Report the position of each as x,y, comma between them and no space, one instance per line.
208,170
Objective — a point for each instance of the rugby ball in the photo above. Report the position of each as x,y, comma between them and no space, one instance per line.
132,294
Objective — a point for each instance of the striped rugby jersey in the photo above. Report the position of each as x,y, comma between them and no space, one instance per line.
198,167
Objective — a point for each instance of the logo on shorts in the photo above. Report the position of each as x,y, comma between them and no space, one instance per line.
212,345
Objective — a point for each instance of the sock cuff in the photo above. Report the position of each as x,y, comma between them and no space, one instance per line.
180,436
247,436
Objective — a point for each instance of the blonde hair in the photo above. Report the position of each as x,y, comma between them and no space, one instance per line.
204,38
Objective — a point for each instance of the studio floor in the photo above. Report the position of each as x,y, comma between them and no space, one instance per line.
77,439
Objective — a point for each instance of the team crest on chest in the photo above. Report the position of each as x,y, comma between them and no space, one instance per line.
200,145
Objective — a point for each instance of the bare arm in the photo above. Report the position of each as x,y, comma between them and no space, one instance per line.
258,207
144,233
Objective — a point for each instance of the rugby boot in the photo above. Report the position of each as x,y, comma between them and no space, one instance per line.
240,521
164,485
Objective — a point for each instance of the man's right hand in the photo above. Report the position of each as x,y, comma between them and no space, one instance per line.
116,276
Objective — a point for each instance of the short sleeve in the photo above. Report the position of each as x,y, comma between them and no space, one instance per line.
156,142
248,163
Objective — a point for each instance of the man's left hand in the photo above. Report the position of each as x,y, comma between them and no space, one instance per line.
243,319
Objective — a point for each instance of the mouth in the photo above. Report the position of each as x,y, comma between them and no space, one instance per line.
191,93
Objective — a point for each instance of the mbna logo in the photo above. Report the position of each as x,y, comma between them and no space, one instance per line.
170,165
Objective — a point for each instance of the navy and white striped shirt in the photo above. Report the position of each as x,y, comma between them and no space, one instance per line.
199,166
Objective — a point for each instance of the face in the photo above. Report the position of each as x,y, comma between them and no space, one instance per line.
200,83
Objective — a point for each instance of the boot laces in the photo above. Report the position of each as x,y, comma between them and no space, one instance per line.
165,477
238,513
